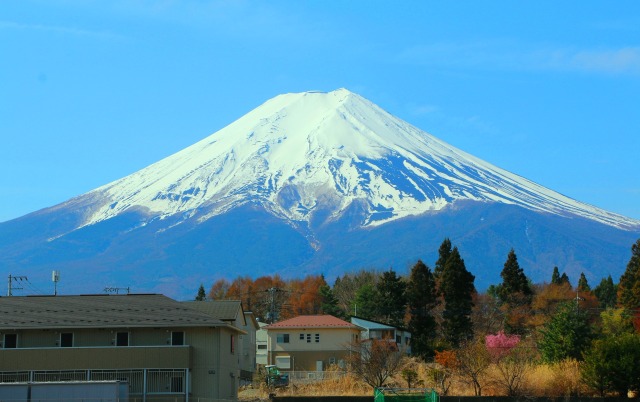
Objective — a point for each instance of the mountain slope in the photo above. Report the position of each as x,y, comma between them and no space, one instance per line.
301,153
310,183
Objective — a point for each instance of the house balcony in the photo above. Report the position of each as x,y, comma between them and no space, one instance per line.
95,358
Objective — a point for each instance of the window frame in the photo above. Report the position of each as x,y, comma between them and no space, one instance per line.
14,341
175,338
117,341
282,338
63,343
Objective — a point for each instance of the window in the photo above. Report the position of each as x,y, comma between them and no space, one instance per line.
262,347
122,339
308,338
317,338
398,339
302,337
233,344
66,339
177,338
282,338
10,341
283,362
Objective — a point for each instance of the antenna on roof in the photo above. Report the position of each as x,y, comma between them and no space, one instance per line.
115,290
55,277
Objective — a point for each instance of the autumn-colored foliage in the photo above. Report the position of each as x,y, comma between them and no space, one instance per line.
446,358
287,299
304,296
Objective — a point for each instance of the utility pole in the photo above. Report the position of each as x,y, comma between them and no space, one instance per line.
10,287
578,299
273,303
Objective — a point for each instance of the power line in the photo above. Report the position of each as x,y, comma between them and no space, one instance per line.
10,284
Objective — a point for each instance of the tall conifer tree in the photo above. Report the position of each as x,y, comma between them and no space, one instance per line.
457,291
329,302
391,301
583,284
515,295
443,255
421,299
514,281
555,276
629,285
606,292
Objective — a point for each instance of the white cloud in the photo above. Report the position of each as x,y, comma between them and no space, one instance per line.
58,29
619,61
509,55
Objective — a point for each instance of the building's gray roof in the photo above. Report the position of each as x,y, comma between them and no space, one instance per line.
99,311
225,310
368,324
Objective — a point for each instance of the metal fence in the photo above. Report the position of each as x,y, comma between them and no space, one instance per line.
165,398
307,377
156,384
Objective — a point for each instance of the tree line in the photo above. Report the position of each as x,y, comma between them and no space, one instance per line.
514,323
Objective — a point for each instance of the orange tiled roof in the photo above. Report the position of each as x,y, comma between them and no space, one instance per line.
312,321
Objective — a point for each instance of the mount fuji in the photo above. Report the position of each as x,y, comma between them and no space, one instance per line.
311,183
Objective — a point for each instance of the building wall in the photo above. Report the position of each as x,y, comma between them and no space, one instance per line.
214,370
262,346
95,337
308,361
87,358
213,367
248,343
333,344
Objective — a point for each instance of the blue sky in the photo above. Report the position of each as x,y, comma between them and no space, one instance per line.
91,91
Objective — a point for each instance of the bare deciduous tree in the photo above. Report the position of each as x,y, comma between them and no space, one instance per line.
512,369
375,360
472,360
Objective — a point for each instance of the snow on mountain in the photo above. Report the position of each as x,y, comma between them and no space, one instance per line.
302,153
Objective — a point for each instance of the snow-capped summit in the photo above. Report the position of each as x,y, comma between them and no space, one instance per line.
301,153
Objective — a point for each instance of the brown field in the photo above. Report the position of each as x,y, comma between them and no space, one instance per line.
557,380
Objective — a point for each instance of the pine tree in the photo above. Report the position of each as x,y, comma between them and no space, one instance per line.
555,276
567,335
443,255
629,285
514,281
391,301
421,299
557,279
583,285
457,291
330,302
606,292
365,303
202,295
515,295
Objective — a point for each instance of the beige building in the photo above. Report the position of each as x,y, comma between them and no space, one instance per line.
232,313
310,342
161,347
262,344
